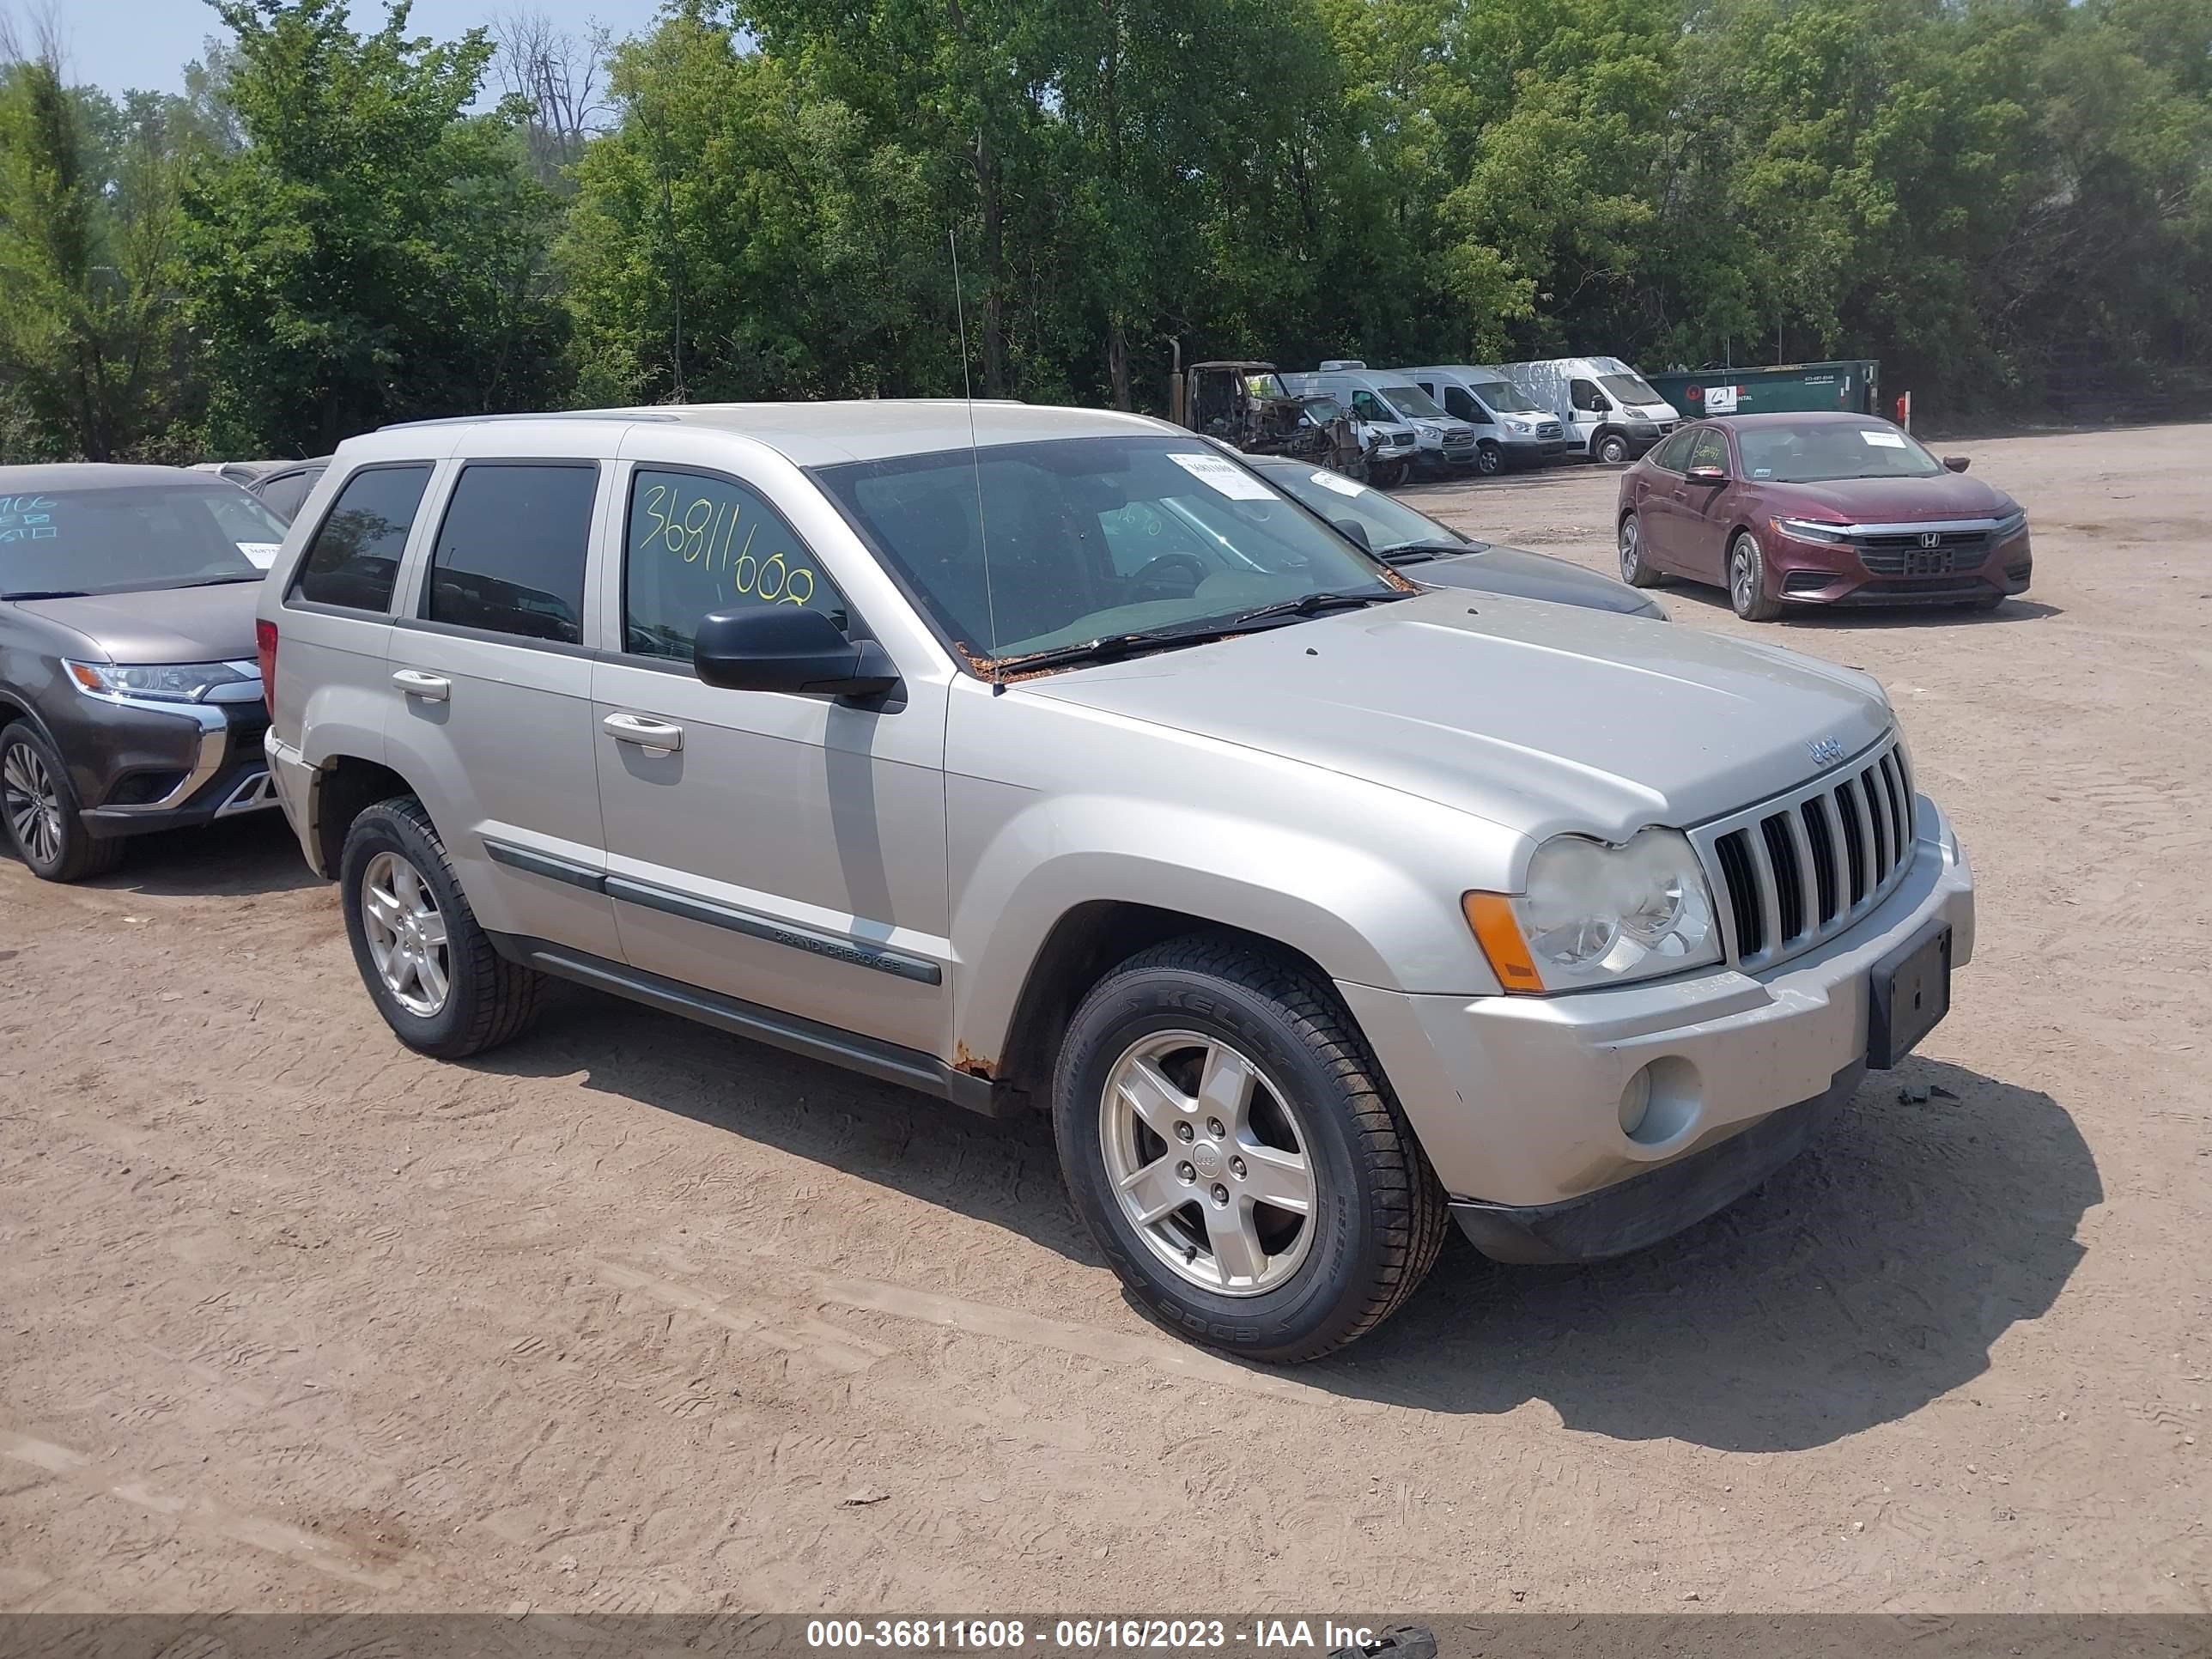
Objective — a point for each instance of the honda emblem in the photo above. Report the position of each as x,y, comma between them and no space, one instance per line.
1930,538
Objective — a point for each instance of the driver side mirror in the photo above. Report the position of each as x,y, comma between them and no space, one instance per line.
788,648
1956,463
1353,530
1707,475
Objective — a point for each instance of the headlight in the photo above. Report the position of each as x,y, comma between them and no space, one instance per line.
1595,915
2010,525
1428,429
167,682
1806,529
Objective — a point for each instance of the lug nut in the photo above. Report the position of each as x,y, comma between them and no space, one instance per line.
1237,1168
1185,1174
1183,1132
1213,1127
1220,1194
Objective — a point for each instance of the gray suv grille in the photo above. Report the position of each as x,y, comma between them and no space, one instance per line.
1799,869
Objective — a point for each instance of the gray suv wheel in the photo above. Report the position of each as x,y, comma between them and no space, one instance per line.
1228,1140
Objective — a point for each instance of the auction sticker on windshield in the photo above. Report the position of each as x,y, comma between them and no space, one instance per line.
1883,439
1340,483
1225,477
263,554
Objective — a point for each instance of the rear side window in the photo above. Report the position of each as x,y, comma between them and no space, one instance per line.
287,493
695,544
355,557
509,557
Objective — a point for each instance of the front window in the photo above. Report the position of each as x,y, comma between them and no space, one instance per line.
1412,402
697,544
1629,388
1508,399
125,539
1391,525
1024,548
1817,451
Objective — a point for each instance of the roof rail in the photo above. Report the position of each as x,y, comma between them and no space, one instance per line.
547,415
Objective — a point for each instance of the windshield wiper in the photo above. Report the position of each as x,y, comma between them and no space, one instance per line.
46,593
1421,552
1312,605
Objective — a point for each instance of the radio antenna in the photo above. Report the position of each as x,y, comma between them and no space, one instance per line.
974,453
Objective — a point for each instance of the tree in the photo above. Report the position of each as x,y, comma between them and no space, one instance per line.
373,251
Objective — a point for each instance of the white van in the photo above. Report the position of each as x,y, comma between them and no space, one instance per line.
1610,412
1385,396
1511,427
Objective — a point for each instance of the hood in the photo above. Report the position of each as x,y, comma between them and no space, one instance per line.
1538,717
1889,501
1534,576
168,624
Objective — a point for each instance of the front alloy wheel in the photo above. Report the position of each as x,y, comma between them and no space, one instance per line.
1207,1163
31,803
1747,576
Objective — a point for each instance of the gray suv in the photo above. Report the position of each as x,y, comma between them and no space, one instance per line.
129,688
1052,759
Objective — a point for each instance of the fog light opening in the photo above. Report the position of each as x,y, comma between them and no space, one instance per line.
1636,1102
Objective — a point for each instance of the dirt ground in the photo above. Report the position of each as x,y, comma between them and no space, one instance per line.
635,1317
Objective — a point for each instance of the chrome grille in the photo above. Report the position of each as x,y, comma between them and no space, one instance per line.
1801,868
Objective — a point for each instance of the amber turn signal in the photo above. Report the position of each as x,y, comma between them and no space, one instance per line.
1491,915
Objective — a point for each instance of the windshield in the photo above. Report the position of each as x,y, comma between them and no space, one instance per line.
1090,537
1391,525
1265,385
1630,389
1829,449
119,538
1412,402
1507,399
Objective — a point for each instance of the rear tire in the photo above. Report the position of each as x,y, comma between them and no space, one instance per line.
1746,579
1635,569
428,966
1298,1097
40,811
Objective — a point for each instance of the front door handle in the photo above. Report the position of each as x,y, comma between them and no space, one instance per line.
644,731
431,687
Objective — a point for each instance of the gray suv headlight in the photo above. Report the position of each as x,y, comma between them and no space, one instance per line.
1593,914
164,682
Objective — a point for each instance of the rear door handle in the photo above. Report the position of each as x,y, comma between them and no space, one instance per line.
644,731
431,687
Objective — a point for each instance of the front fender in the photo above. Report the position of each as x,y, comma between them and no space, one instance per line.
1362,915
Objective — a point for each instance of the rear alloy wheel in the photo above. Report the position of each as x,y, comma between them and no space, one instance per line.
1747,578
1613,449
1634,570
1228,1140
1489,458
39,810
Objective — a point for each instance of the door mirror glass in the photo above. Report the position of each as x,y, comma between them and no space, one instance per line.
1956,463
790,649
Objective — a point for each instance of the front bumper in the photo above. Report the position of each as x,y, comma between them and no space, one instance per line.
1516,1100
1812,573
142,768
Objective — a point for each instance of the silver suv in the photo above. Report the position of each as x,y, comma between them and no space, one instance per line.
1049,759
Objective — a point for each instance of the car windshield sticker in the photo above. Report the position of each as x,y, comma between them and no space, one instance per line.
1883,439
28,519
1762,473
264,554
1339,482
1223,477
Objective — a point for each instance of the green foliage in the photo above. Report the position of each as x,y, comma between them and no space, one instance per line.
2008,201
372,252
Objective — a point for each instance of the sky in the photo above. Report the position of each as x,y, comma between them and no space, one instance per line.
121,44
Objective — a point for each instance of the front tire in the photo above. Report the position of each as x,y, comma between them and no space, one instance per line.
1489,458
1746,579
1635,569
1613,449
1228,1139
40,811
428,966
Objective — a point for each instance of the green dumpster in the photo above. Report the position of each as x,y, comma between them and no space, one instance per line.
1852,386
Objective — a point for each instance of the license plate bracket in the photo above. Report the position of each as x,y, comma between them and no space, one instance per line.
1908,992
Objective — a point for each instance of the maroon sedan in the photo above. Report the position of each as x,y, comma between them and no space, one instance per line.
1818,509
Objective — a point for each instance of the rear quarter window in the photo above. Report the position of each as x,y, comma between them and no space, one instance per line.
353,561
